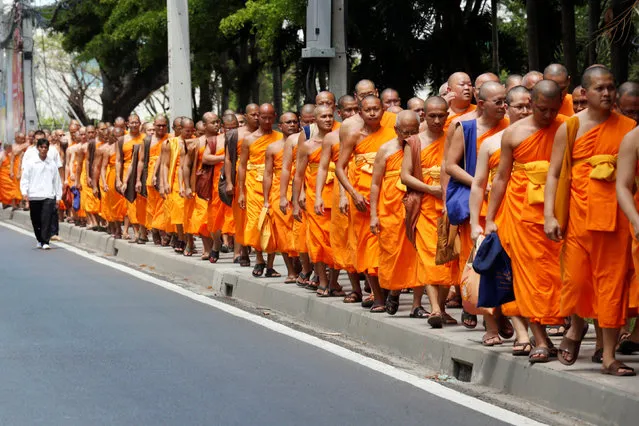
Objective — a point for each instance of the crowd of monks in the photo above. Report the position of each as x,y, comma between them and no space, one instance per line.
363,186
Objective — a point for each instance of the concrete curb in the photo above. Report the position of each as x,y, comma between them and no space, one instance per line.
580,391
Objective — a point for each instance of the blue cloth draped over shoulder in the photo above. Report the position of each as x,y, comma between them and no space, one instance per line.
458,194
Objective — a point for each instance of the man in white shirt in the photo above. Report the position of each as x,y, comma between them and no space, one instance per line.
31,154
41,186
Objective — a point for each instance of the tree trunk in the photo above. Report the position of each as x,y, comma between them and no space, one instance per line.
495,34
532,34
244,77
594,15
206,102
568,36
255,71
276,69
621,42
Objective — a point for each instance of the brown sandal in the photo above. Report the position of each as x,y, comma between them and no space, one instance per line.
489,340
353,297
571,347
618,369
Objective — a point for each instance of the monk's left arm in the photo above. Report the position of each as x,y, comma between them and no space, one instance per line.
322,172
406,174
300,171
376,181
501,178
140,169
478,188
626,170
554,170
267,180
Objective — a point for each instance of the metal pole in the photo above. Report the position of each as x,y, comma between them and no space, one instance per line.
30,113
338,66
179,58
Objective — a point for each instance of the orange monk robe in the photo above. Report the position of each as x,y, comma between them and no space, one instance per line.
597,243
397,256
535,258
195,208
229,221
81,213
239,215
318,227
17,165
366,243
566,106
452,117
388,120
89,202
156,216
253,186
282,223
174,204
342,255
7,185
136,211
426,230
114,202
216,213
299,228
464,228
634,282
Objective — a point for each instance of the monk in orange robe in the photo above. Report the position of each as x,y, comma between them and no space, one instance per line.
156,218
88,200
363,144
397,255
318,222
298,234
525,152
492,103
282,221
113,200
239,215
579,101
518,100
250,189
627,173
342,255
595,256
436,278
6,183
18,150
559,74
229,122
136,211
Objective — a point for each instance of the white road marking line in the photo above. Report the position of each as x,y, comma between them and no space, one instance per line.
426,385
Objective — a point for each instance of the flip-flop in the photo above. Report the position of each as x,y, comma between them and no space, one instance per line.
304,279
419,312
572,347
392,304
272,273
555,330
541,350
245,261
506,330
378,309
336,292
525,350
454,302
322,292
368,302
290,281
436,320
597,357
613,370
214,256
486,340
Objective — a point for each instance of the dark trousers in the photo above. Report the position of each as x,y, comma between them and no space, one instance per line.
41,213
55,227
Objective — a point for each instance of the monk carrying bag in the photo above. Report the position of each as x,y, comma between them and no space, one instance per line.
204,176
458,194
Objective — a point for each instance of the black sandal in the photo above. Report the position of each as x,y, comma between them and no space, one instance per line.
353,297
378,309
214,256
258,269
392,304
469,321
245,261
272,273
419,312
304,279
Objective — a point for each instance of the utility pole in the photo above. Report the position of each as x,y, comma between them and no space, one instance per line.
30,112
338,65
179,58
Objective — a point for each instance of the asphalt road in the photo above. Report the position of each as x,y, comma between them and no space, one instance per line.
85,344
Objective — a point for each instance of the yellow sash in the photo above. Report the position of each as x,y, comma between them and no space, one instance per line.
365,162
258,169
536,172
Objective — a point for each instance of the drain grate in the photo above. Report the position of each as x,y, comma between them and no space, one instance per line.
462,371
228,290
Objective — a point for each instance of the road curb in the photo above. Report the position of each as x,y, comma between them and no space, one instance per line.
579,391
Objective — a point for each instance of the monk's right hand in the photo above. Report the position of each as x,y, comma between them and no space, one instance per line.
11,174
123,188
241,201
319,207
343,205
284,205
105,188
361,203
490,228
375,225
552,229
476,231
229,188
297,212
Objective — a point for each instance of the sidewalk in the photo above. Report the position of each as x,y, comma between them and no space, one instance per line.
580,390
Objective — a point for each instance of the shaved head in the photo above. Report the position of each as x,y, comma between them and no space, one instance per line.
485,77
579,101
322,109
307,114
407,118
229,121
530,79
251,107
267,108
395,109
325,98
513,80
629,88
417,105
364,85
443,89
628,100
488,89
348,107
515,91
592,72
435,101
390,98
546,88
436,109
460,84
555,70
308,109
457,76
